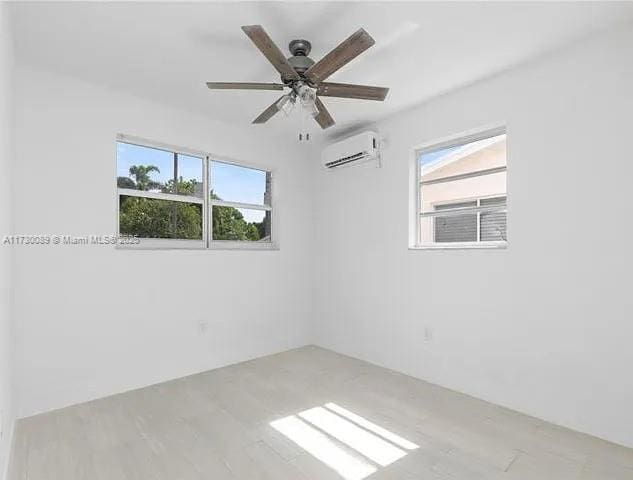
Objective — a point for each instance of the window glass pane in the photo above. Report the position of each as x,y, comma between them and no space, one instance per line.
432,158
154,170
442,172
233,183
186,178
152,218
470,174
489,152
230,223
455,191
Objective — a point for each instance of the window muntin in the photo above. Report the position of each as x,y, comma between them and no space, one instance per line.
461,192
161,199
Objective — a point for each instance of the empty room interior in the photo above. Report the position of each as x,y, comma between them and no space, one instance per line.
316,240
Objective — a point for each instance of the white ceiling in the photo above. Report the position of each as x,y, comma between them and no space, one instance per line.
166,51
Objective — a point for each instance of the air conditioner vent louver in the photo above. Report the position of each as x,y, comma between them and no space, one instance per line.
356,149
348,159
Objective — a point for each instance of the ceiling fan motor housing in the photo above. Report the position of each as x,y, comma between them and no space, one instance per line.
300,47
300,61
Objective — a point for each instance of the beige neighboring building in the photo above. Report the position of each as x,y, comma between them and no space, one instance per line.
474,157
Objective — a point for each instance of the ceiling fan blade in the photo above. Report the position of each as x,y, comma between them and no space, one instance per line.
271,51
347,51
244,86
345,90
323,118
268,113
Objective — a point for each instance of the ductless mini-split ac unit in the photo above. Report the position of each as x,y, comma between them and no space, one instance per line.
359,148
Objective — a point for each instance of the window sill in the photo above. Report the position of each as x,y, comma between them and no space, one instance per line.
229,245
461,246
167,244
162,244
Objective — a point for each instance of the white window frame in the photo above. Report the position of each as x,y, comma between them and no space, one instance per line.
207,242
415,242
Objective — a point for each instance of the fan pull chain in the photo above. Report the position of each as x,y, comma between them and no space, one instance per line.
304,135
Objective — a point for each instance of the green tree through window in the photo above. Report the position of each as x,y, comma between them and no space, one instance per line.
157,218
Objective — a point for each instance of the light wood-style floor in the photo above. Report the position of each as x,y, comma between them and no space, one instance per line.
216,426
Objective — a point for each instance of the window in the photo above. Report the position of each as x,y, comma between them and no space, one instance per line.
240,199
162,200
461,192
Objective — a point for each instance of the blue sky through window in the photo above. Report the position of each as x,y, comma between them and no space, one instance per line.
230,182
238,184
436,156
128,155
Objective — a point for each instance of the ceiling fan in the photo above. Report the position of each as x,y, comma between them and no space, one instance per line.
304,77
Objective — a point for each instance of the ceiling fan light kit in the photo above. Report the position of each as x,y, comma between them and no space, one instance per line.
305,78
285,104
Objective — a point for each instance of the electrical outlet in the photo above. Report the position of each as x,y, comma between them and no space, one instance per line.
203,326
428,334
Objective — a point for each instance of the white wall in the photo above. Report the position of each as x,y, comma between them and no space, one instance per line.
92,320
543,327
6,253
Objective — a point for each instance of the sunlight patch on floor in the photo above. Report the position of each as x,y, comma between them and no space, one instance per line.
323,432
364,442
321,447
372,427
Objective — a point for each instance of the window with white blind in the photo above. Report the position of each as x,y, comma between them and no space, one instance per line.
461,192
